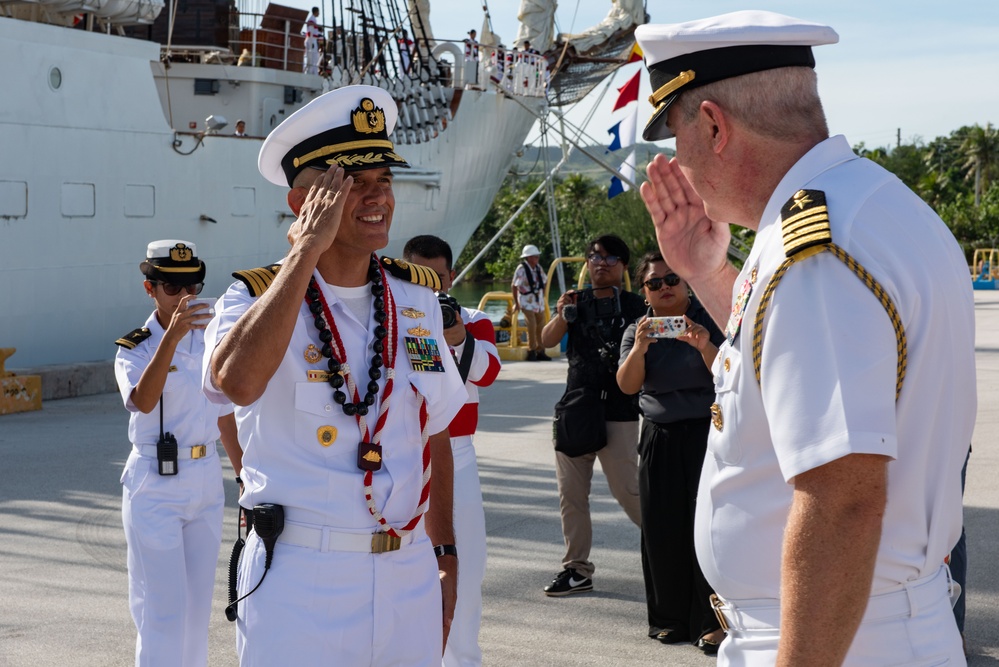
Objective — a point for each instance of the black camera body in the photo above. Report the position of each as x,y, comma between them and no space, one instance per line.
449,309
592,309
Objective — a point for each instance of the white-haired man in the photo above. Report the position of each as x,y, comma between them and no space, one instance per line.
846,387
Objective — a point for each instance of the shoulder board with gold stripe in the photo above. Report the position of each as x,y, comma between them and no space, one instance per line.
805,223
414,273
133,338
257,280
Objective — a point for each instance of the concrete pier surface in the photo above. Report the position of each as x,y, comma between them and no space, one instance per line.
63,583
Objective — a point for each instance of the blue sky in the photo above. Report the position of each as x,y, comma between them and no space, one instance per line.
922,68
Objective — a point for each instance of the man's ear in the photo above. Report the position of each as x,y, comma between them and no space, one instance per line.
296,199
716,123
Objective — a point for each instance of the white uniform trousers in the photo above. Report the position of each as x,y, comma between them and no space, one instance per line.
340,608
311,64
173,528
913,627
462,648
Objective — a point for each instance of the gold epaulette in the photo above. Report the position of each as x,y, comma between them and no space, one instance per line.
134,337
257,280
806,232
805,223
414,273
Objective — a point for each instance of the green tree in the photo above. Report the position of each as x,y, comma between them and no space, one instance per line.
981,152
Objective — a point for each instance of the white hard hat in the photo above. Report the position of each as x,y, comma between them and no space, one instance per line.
530,250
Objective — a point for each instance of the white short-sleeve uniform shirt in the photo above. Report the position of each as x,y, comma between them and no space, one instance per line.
187,413
284,459
828,380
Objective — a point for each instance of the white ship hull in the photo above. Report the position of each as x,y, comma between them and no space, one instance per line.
92,170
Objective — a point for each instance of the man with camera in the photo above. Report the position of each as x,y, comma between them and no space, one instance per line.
470,335
595,319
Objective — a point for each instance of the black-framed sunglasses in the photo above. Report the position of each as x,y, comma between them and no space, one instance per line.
656,284
173,290
609,260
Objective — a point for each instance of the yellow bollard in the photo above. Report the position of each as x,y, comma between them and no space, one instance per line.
18,394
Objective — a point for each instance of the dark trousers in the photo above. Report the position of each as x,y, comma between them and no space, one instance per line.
669,468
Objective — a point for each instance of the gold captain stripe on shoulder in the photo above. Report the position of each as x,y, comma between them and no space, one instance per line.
414,273
257,280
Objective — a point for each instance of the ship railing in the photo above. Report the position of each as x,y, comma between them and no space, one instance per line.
520,72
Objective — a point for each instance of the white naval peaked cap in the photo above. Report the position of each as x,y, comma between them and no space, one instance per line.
348,126
683,56
173,261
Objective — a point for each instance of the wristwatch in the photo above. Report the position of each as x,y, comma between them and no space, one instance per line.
445,550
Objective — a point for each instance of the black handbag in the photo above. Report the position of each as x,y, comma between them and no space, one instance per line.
579,423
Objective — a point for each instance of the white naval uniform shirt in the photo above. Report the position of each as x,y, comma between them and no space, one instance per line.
283,459
828,381
187,413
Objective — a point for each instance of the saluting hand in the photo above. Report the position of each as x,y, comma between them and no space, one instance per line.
693,244
319,219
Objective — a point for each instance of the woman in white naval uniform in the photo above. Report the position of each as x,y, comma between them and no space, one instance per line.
173,521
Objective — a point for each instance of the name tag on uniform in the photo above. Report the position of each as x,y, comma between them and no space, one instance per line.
424,354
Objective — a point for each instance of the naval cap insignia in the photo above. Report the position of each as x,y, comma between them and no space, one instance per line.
367,118
181,253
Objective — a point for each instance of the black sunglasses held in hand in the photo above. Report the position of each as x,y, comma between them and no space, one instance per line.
173,290
655,284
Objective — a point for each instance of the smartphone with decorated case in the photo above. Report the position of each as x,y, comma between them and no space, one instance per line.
667,327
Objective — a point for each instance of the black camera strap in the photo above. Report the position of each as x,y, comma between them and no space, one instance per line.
465,363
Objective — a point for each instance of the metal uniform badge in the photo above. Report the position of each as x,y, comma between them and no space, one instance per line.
739,308
424,354
418,331
413,314
369,456
716,416
312,354
326,435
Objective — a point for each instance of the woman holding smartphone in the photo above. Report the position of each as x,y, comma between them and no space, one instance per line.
172,496
667,361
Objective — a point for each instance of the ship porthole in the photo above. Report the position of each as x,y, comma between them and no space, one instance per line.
55,78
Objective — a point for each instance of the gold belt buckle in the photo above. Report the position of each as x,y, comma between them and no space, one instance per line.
199,452
717,603
382,542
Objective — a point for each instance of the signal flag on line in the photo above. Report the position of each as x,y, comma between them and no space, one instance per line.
628,93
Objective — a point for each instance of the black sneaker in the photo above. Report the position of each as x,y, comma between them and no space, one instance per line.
567,582
532,356
543,357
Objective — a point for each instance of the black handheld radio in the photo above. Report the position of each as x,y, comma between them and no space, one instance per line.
267,520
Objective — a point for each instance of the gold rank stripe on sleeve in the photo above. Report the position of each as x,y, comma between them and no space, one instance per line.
257,280
414,273
806,232
133,338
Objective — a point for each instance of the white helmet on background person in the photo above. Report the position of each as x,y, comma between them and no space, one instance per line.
530,250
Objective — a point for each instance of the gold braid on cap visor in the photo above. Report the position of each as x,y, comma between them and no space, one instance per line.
671,87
